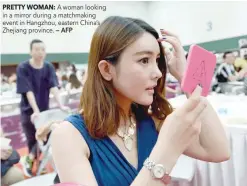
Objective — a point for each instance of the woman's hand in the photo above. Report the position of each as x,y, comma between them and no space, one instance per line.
176,60
183,125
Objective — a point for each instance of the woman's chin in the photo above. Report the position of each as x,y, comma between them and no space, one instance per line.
145,101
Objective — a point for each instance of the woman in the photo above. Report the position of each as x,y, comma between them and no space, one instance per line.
127,133
64,82
74,83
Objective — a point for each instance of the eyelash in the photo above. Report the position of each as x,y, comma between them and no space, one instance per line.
142,60
157,60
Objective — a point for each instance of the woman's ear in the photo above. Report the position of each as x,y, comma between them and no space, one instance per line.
105,69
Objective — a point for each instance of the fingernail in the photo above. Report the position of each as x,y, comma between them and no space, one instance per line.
198,88
163,37
197,91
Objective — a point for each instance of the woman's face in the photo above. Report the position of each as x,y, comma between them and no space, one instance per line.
136,73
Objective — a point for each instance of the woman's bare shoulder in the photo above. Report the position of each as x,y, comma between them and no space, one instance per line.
66,135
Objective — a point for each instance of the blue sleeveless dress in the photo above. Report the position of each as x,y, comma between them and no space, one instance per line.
109,165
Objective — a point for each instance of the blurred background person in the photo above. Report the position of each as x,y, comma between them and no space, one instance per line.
74,83
226,72
4,84
240,63
12,81
64,81
71,69
36,79
9,157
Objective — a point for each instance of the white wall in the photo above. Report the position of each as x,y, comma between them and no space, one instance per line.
189,19
79,39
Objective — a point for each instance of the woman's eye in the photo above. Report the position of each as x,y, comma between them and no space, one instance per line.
144,60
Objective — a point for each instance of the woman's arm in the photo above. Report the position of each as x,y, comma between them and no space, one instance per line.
71,153
144,178
212,144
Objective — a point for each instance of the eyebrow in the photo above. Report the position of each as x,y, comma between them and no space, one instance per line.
145,52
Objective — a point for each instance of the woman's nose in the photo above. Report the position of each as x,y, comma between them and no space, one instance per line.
156,73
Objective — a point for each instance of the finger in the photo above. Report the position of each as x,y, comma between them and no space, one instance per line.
193,100
197,112
197,92
168,33
168,54
173,41
197,125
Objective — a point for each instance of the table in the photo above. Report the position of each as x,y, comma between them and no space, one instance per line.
234,171
236,83
234,87
231,108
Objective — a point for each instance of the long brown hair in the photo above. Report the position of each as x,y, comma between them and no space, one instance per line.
75,83
100,109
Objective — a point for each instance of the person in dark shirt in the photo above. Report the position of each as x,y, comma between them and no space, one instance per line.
36,78
226,71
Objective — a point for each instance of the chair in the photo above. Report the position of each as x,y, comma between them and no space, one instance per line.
45,117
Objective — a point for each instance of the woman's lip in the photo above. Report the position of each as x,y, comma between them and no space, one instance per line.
151,87
150,90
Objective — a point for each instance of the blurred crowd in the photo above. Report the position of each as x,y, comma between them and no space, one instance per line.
231,69
69,79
